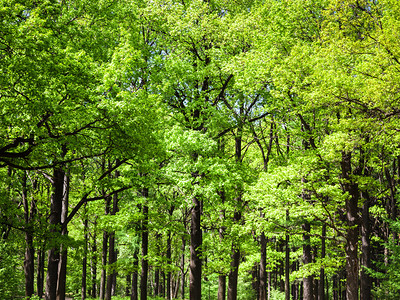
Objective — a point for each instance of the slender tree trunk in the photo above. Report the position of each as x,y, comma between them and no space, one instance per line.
40,273
263,264
307,258
366,280
103,276
145,247
85,253
157,282
169,292
287,262
111,273
55,224
222,277
62,265
235,260
29,261
183,281
134,294
321,286
269,287
93,263
112,256
352,231
196,240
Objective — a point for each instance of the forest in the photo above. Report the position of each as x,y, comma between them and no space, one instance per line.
199,149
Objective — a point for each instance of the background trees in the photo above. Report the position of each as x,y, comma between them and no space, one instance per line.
252,146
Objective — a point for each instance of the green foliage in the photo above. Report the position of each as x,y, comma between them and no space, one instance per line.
11,272
388,272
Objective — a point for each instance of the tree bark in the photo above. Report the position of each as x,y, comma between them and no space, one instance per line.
221,287
93,264
29,261
366,280
169,292
62,266
287,262
183,281
134,294
352,231
196,240
145,247
85,253
321,285
55,225
307,258
40,273
103,276
112,256
235,261
263,264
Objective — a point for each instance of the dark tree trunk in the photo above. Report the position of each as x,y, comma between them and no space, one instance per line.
128,285
222,277
183,281
287,263
93,264
40,273
235,256
321,285
85,253
352,232
169,292
235,260
111,273
135,277
29,266
55,225
263,264
112,256
29,261
145,247
196,240
366,280
157,282
103,275
62,265
221,287
307,258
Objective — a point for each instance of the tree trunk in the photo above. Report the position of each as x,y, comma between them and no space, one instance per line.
321,285
221,287
85,252
263,265
55,224
134,294
40,273
235,261
307,258
287,262
29,261
196,240
183,268
112,256
157,282
93,263
352,232
366,280
145,247
103,275
62,266
169,292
